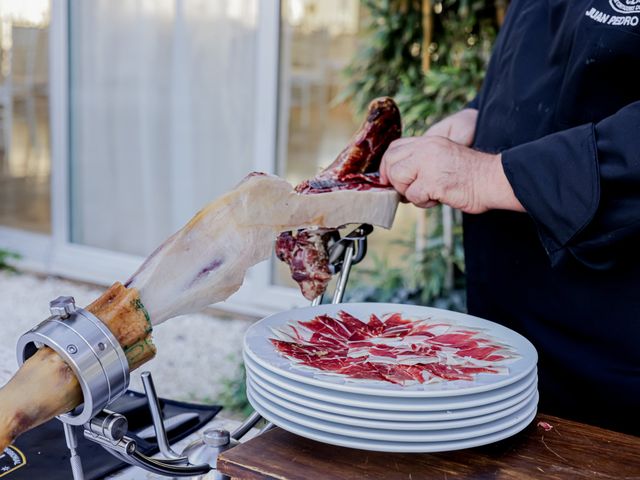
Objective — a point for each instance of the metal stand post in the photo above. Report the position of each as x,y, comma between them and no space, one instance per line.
158,423
72,445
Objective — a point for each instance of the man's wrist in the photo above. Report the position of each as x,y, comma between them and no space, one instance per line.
497,191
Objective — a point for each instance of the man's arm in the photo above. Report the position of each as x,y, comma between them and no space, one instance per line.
429,170
580,186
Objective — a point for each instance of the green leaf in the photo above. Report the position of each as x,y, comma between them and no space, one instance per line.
7,259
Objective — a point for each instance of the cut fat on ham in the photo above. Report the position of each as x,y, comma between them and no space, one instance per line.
205,262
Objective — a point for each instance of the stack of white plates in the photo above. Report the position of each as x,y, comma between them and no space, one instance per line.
383,416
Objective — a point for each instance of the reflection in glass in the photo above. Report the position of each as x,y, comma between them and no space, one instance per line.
25,163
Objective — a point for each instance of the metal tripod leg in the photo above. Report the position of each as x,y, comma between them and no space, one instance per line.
72,444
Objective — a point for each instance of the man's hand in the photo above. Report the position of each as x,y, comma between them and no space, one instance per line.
459,127
429,170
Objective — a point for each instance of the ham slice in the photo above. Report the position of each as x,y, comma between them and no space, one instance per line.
391,349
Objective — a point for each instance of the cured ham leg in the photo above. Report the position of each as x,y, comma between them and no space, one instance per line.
356,168
203,263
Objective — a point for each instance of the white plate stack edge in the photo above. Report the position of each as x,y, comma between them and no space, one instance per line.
382,416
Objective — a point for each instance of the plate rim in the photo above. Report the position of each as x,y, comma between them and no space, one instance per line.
350,388
460,405
447,434
392,424
394,415
399,447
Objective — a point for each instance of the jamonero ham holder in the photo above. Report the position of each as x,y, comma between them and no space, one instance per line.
372,376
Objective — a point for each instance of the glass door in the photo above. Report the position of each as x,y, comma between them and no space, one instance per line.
155,108
162,111
170,104
25,159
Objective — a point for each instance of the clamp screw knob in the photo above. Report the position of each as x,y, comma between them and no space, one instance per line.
62,306
115,427
216,437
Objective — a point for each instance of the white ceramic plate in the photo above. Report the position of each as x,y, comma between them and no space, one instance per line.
407,436
435,404
387,415
398,447
256,390
258,347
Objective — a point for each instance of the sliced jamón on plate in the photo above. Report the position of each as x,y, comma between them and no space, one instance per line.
387,349
392,348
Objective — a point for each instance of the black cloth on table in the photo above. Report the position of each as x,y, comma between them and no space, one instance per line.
47,457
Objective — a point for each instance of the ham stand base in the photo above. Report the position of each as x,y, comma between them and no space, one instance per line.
99,363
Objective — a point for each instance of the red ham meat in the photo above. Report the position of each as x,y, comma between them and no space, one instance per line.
391,349
357,165
356,168
308,259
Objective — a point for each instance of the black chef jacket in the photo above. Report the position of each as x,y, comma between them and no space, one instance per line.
561,101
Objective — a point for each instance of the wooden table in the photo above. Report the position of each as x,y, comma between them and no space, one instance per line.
570,450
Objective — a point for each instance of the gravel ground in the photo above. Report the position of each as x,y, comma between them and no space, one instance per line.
196,353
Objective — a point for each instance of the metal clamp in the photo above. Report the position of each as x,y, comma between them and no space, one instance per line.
109,430
89,348
338,250
344,253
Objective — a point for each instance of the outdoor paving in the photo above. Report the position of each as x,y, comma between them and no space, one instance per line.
196,353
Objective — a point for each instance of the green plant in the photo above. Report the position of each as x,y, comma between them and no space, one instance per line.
234,390
394,54
432,72
390,53
458,55
382,282
6,259
421,278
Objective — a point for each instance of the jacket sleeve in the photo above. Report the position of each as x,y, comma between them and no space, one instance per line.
581,187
